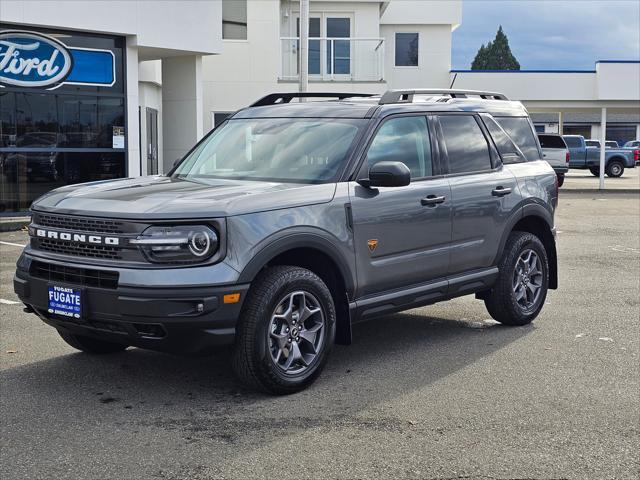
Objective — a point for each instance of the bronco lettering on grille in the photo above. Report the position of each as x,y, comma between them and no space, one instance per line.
76,237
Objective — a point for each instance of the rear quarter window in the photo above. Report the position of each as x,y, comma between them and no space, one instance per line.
521,132
551,141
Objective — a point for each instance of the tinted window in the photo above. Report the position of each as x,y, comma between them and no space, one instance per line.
407,49
573,142
406,140
551,141
520,131
592,143
467,148
508,151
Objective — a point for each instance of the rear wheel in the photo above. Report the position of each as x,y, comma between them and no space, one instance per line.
91,345
560,179
615,169
595,171
521,289
285,332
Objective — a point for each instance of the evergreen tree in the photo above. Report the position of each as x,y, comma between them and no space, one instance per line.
495,55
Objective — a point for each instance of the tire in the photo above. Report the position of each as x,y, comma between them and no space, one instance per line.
595,171
262,349
560,179
614,169
502,301
91,345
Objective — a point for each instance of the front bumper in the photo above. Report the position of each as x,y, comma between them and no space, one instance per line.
181,319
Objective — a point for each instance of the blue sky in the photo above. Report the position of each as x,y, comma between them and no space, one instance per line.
553,35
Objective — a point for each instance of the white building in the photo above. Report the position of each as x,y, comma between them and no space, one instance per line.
116,88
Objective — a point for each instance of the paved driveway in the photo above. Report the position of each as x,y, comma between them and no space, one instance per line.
438,392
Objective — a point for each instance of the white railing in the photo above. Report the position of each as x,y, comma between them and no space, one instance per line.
335,59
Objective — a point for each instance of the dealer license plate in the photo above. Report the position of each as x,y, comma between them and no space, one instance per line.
65,301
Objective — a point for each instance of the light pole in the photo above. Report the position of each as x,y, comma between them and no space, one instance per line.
303,51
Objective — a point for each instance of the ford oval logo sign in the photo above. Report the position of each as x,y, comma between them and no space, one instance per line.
29,59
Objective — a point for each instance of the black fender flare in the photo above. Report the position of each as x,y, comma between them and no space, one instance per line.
299,238
539,211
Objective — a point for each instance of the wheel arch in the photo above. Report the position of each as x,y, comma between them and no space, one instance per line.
321,256
537,220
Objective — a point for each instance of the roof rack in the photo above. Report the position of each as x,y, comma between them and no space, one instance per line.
406,96
277,98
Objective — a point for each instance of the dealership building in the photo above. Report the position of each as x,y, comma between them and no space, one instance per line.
106,89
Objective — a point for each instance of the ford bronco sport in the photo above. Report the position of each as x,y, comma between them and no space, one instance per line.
291,221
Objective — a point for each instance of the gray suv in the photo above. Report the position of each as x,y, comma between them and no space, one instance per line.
292,221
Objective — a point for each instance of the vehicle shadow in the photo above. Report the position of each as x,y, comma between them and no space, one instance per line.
199,398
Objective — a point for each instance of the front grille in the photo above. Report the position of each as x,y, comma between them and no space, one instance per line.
78,224
75,276
80,249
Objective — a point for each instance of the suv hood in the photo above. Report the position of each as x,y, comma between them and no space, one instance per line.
160,197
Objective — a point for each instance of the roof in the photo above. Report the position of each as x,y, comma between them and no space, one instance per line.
370,106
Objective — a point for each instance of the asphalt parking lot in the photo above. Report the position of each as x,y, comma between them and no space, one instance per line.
438,392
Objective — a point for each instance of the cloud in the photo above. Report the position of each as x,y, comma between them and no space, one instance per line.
551,34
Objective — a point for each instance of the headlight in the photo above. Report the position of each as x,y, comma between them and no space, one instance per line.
179,244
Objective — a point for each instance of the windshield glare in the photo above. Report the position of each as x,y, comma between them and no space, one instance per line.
301,150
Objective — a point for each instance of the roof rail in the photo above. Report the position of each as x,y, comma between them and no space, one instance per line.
277,98
406,96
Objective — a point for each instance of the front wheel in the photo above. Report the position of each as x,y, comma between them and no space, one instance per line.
91,345
521,289
285,332
595,171
615,169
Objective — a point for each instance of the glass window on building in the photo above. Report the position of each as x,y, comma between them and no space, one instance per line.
407,49
621,133
219,117
234,19
584,130
65,133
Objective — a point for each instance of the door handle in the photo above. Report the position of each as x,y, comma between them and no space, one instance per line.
431,200
500,191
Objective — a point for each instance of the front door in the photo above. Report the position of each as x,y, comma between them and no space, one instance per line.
152,141
401,239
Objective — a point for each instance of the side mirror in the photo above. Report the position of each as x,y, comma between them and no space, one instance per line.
387,174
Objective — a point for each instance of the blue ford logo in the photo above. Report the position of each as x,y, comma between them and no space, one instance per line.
29,59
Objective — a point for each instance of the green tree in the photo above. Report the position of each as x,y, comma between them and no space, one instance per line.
495,55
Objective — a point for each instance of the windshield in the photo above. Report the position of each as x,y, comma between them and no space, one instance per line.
301,150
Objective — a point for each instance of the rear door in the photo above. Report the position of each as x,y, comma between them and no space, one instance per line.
484,193
401,234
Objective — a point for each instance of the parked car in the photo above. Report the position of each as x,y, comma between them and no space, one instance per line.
291,221
634,146
607,143
583,156
556,153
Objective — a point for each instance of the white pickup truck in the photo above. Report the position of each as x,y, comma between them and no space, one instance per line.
556,153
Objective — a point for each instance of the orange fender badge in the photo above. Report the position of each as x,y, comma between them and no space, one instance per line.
372,244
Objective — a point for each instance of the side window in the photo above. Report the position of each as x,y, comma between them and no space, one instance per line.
406,140
508,150
520,131
467,148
